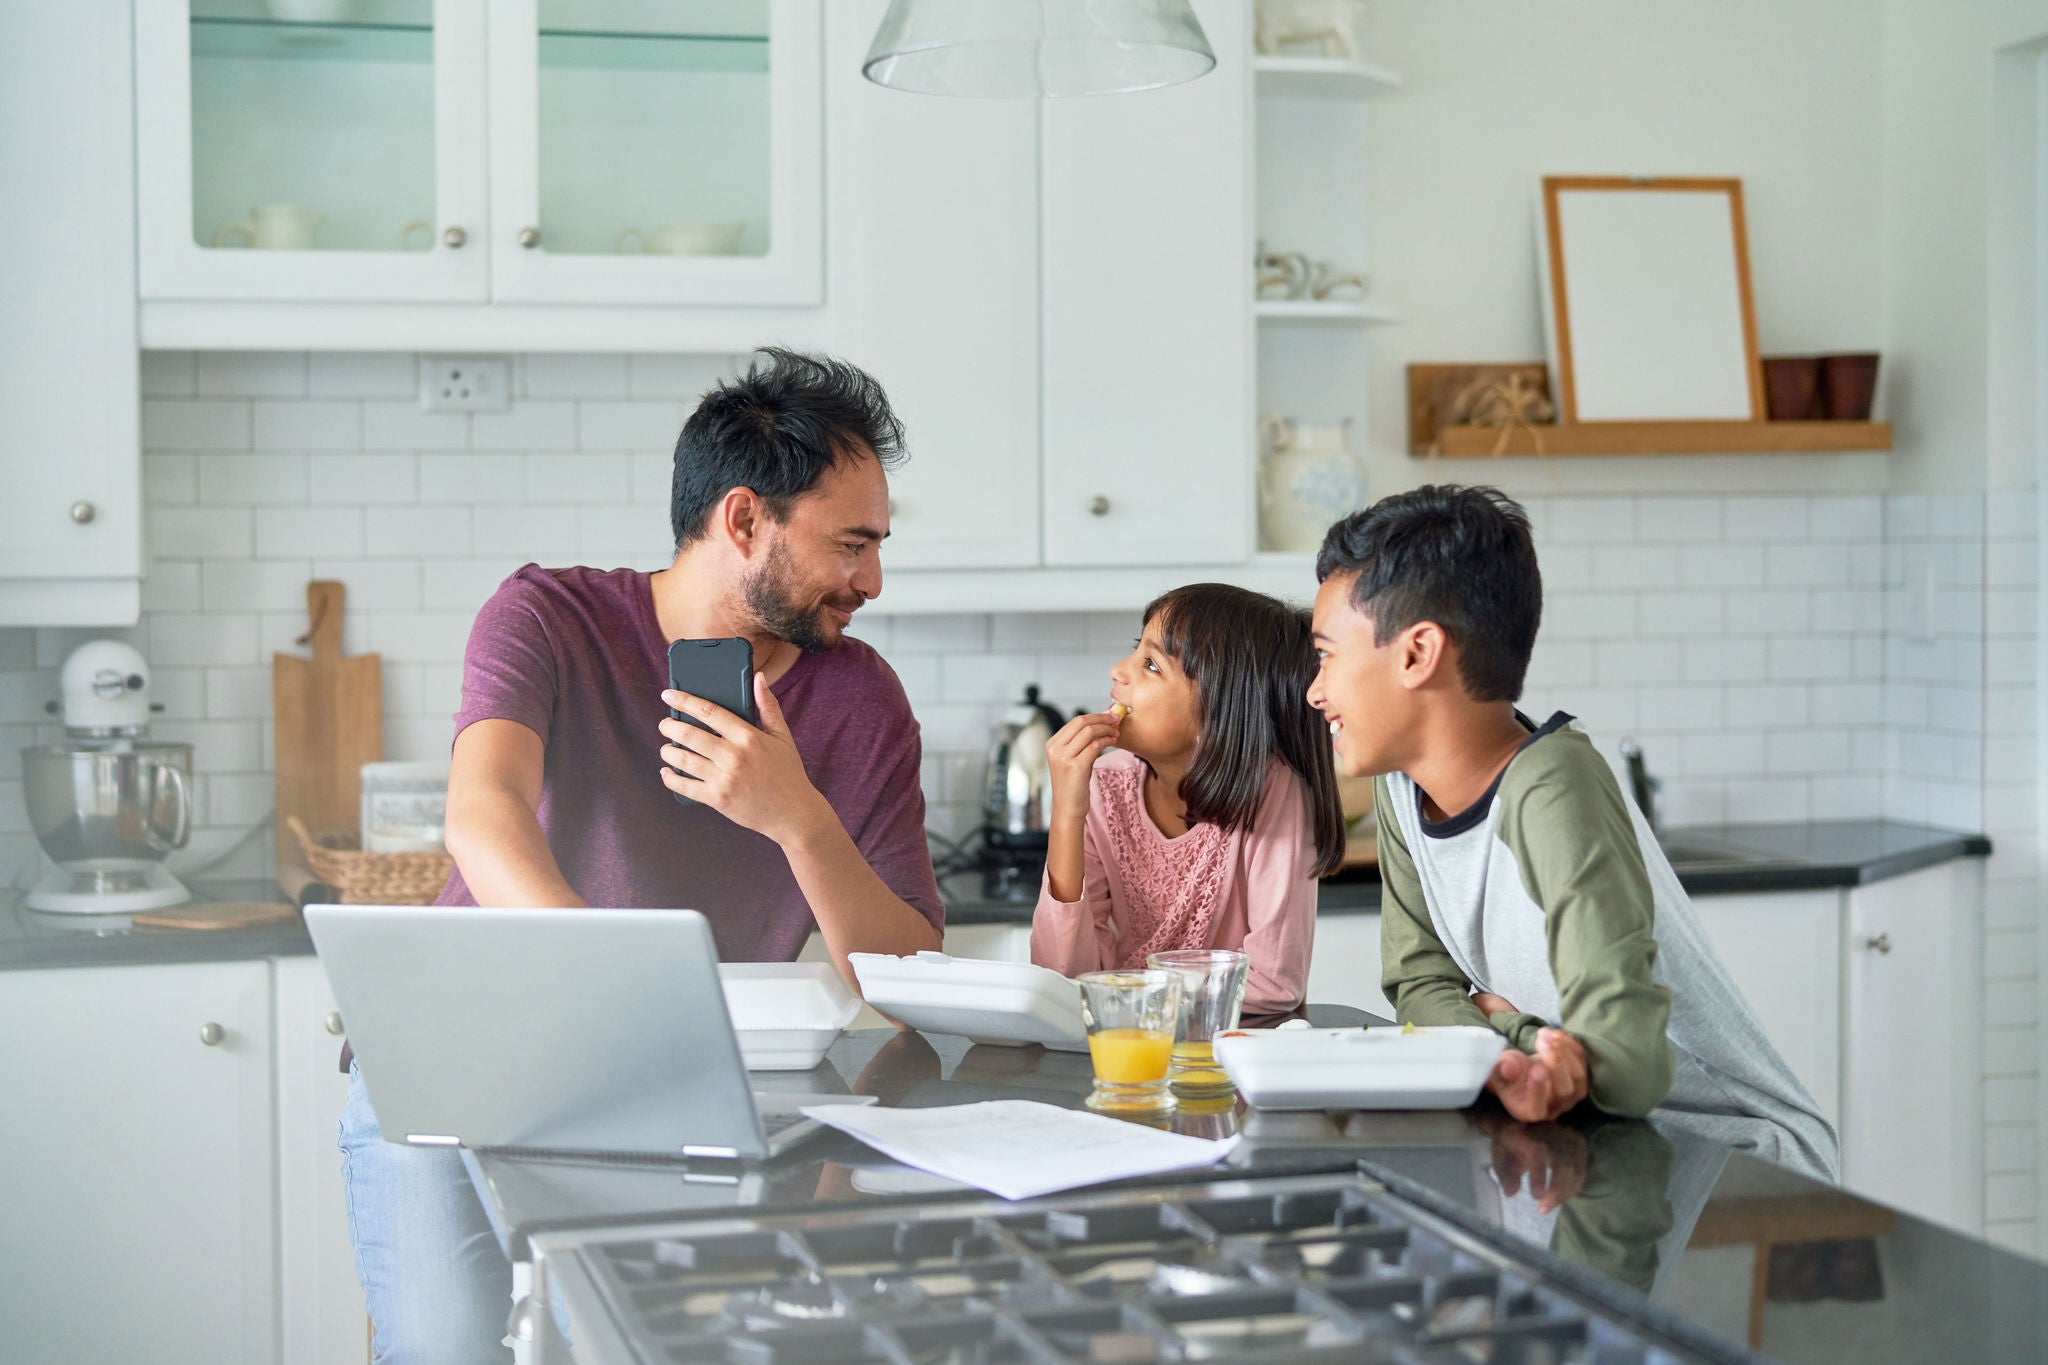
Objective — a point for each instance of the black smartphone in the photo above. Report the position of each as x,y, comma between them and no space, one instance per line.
720,671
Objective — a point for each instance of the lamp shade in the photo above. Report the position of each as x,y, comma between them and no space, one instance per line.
1024,49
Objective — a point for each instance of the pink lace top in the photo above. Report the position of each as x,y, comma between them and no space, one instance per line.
1143,893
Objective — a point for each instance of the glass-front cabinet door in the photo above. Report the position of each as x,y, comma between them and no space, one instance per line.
656,151
313,149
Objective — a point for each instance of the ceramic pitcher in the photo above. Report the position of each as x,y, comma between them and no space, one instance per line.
1308,478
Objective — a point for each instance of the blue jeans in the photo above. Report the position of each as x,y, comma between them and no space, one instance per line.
438,1288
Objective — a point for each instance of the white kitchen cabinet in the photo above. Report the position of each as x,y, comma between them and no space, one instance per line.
1345,969
1783,950
656,154
283,159
1148,358
323,1321
70,462
933,205
136,1134
1912,1081
441,152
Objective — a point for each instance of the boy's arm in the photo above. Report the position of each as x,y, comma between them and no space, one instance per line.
1416,972
1571,834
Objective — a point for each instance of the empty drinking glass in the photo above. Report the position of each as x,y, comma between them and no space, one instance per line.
1130,1018
1212,993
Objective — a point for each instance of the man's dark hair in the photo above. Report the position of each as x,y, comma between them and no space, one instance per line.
1251,659
776,429
1461,557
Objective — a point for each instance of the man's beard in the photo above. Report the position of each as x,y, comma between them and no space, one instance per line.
772,598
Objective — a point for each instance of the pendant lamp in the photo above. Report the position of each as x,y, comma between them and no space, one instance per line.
1026,49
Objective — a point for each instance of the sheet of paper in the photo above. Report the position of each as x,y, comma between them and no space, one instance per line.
1020,1148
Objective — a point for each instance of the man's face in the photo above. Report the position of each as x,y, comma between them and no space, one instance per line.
1358,684
821,564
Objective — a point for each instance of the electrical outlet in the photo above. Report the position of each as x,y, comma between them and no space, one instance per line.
465,383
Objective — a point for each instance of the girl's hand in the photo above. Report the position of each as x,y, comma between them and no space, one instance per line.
1072,753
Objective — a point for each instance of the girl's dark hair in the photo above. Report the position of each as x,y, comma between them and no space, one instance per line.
1461,557
776,429
1251,659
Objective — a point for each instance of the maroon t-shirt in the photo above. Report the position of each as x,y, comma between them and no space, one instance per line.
577,657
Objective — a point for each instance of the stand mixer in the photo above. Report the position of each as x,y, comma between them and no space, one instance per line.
107,803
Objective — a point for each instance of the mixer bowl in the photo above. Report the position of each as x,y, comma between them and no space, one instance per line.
126,800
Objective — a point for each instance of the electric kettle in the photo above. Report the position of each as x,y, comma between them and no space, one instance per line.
1016,807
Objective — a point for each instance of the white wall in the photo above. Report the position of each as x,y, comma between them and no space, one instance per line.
1742,638
1498,95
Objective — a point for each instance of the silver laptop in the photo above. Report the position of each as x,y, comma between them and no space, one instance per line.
561,1031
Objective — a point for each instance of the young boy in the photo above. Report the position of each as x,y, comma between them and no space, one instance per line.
1522,890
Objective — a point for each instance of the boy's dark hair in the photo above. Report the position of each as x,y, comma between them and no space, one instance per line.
776,429
1461,557
1251,659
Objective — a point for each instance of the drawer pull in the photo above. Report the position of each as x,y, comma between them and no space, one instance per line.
211,1033
1881,945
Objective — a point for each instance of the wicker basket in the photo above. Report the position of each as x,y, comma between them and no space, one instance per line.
361,878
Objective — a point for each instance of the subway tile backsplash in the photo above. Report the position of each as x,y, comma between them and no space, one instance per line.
1778,657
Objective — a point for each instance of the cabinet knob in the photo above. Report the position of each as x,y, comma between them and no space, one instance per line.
83,511
211,1034
529,237
1881,945
454,239
1098,506
333,1022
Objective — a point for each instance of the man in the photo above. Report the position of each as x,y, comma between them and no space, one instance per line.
1521,890
779,504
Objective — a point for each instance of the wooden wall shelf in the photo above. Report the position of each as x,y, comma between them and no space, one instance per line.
1669,438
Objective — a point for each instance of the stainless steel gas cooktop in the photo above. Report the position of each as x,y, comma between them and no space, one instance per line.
1287,1269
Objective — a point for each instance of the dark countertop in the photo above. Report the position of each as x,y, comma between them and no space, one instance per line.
1709,859
1729,858
1675,1209
33,938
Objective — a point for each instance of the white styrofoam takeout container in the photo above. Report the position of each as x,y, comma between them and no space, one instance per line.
787,1014
1007,1003
1374,1068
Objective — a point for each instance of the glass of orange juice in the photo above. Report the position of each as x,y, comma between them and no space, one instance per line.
1212,982
1131,1018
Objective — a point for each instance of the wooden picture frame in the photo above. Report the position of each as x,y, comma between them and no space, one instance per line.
1647,306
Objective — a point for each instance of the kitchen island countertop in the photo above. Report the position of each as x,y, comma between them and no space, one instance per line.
1674,1219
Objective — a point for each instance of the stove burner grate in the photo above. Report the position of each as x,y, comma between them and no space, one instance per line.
1288,1269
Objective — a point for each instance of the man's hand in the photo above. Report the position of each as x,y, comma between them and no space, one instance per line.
1537,1089
753,777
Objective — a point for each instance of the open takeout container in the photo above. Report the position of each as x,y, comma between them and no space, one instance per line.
1009,1004
1375,1068
787,1014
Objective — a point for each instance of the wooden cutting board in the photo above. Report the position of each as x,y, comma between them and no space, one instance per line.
330,722
223,915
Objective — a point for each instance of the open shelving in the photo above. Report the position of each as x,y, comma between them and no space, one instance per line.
1665,438
1320,78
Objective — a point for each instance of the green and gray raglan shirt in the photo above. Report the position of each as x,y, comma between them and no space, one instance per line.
1551,891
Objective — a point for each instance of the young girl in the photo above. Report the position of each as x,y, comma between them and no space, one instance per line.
1208,824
